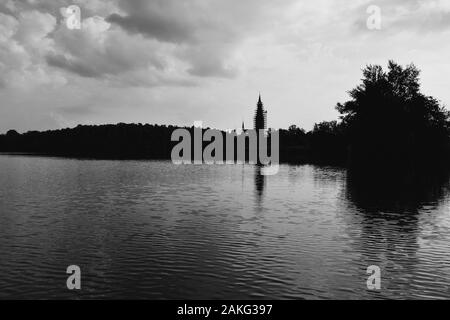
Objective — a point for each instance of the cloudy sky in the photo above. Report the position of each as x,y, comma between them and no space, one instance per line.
178,61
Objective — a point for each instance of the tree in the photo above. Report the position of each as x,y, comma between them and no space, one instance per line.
327,142
391,123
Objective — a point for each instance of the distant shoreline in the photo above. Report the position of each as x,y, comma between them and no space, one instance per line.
112,158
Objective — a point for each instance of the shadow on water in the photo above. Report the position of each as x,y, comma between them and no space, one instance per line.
393,213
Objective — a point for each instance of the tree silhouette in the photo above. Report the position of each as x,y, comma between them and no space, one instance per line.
390,124
328,143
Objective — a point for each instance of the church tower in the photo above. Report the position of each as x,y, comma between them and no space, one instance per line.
260,121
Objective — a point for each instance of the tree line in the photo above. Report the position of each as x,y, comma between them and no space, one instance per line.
387,122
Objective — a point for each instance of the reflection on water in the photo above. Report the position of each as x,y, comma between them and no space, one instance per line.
404,229
142,229
259,184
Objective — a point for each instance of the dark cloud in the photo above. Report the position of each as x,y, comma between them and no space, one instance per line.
72,65
168,20
206,33
4,9
191,26
209,61
212,69
200,45
157,27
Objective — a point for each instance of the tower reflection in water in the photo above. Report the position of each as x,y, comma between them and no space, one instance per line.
260,181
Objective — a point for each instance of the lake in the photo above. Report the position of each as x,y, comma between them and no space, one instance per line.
154,230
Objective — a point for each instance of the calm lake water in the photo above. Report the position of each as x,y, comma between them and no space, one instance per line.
150,230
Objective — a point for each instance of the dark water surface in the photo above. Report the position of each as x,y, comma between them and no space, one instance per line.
145,229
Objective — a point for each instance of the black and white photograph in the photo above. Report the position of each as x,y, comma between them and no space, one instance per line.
224,150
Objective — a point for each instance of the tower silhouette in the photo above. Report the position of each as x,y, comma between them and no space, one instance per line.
260,121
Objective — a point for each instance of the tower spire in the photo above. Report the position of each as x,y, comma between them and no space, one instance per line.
260,115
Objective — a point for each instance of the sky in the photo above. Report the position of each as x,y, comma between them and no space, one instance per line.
180,61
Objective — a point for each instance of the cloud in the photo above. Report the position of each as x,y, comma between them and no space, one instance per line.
140,42
208,61
33,30
23,41
7,7
72,65
207,34
107,53
167,21
178,42
36,44
409,16
157,27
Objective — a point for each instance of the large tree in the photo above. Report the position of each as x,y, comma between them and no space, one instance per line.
391,123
